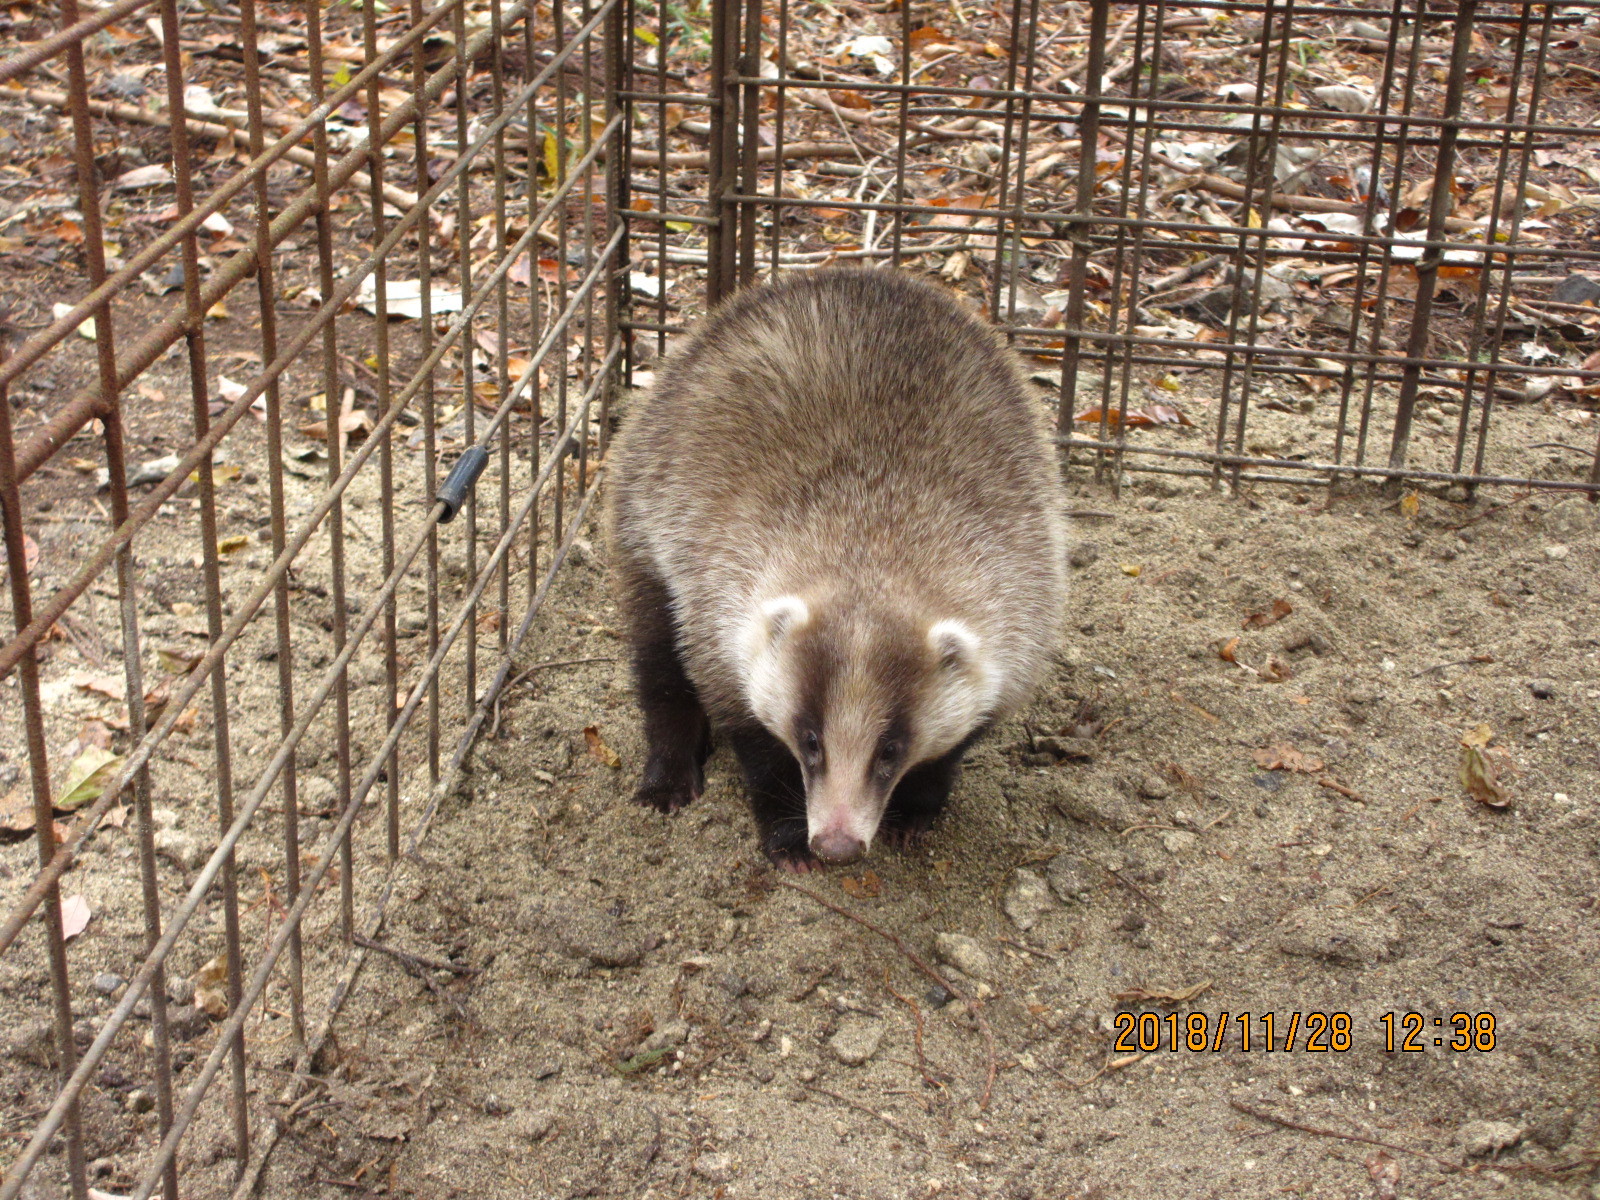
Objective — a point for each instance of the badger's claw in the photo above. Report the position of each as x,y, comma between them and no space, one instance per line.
795,862
667,786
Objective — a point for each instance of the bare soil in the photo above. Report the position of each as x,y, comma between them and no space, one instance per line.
658,1014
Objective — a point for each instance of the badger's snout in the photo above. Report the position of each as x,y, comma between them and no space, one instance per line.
837,845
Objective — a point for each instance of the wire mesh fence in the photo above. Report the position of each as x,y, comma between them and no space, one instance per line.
1383,213
280,269
314,317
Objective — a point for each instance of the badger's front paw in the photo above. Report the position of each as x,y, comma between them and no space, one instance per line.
788,850
669,783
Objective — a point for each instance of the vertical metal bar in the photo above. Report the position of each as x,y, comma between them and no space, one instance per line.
1369,212
199,395
1082,247
267,300
427,399
16,544
616,185
1380,307
380,333
1252,179
1007,250
563,447
721,247
586,241
779,109
902,122
1438,210
713,247
535,292
1258,279
468,343
1509,262
332,401
502,306
750,139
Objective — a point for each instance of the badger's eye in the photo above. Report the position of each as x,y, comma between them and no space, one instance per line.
811,746
888,758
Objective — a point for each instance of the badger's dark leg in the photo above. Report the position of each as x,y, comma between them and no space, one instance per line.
777,796
920,796
676,732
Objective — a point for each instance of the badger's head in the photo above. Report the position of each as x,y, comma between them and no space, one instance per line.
861,692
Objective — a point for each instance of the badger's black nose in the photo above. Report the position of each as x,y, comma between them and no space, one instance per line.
837,846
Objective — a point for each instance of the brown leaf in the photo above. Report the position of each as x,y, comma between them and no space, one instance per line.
1480,773
598,747
30,555
1275,671
1137,418
1260,620
1139,995
1226,651
850,98
211,987
1281,757
868,886
1384,1172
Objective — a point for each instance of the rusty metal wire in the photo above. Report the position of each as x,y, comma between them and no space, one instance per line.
499,118
550,192
1420,196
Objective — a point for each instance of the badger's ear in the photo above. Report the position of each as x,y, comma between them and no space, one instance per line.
955,644
781,616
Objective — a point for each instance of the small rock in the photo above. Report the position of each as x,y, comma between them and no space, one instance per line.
413,620
668,1034
163,818
715,1167
1479,1138
106,983
856,1040
1556,552
1071,877
1026,900
1179,841
1542,689
1092,801
316,795
1083,554
533,1126
585,933
185,1022
494,1106
180,989
33,1041
1336,932
182,848
140,1100
964,954
1153,787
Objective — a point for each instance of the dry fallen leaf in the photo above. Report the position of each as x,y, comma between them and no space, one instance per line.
1281,757
868,886
16,811
211,987
1275,671
87,778
1226,650
1139,995
1260,620
598,747
75,916
1479,771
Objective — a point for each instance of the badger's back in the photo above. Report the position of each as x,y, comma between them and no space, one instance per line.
855,432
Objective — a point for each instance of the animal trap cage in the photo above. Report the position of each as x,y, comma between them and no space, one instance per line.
314,321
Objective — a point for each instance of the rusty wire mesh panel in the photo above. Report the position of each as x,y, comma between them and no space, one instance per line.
282,282
1310,240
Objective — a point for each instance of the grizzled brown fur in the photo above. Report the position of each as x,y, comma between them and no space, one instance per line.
837,535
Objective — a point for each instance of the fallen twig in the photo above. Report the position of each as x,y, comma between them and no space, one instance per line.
1262,1114
917,961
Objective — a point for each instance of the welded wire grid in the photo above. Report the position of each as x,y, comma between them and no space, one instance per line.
1254,225
403,216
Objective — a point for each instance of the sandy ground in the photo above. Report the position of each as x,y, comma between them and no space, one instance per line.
657,1014
640,1007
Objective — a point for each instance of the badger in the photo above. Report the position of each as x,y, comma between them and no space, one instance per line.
838,541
